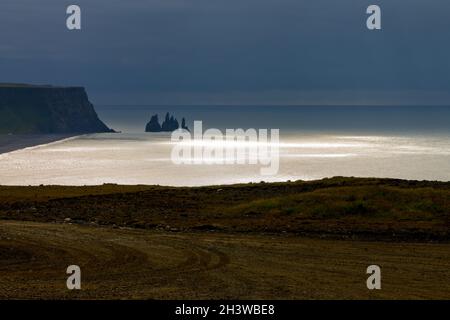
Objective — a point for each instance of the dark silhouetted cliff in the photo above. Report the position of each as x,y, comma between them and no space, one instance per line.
47,109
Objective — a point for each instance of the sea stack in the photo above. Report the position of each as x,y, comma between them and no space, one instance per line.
153,125
169,124
47,110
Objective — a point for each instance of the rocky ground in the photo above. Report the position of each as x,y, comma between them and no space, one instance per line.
297,240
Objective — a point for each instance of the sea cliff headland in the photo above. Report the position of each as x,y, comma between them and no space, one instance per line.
38,114
34,109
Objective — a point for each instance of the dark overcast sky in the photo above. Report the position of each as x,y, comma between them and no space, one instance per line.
232,51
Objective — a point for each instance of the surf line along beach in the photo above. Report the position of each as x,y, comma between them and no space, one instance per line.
33,115
236,146
12,142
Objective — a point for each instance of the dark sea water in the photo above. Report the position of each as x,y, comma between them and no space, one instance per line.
323,119
315,142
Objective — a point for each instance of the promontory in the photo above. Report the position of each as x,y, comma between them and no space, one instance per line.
45,109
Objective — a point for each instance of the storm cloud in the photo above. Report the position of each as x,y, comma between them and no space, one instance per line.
232,51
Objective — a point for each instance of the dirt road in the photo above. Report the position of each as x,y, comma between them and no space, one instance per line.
143,264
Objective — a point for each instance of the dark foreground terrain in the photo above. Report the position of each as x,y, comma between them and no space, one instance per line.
297,240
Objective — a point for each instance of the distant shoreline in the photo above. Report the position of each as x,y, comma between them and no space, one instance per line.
14,142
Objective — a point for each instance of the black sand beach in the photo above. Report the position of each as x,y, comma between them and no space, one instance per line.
14,142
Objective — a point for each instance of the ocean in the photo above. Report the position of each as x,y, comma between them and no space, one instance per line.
315,142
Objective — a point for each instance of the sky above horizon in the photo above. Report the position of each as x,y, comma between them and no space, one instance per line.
232,51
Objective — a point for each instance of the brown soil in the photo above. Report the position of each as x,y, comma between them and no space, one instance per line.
297,240
142,264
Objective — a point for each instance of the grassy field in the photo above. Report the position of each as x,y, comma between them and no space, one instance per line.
295,240
373,209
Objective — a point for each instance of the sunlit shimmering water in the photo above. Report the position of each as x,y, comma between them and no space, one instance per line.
146,159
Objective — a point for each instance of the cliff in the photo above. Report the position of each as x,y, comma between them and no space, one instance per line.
47,110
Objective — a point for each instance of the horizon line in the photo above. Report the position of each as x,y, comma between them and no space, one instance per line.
270,105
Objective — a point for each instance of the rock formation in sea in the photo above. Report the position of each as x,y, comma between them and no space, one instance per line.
169,124
47,110
153,125
183,125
